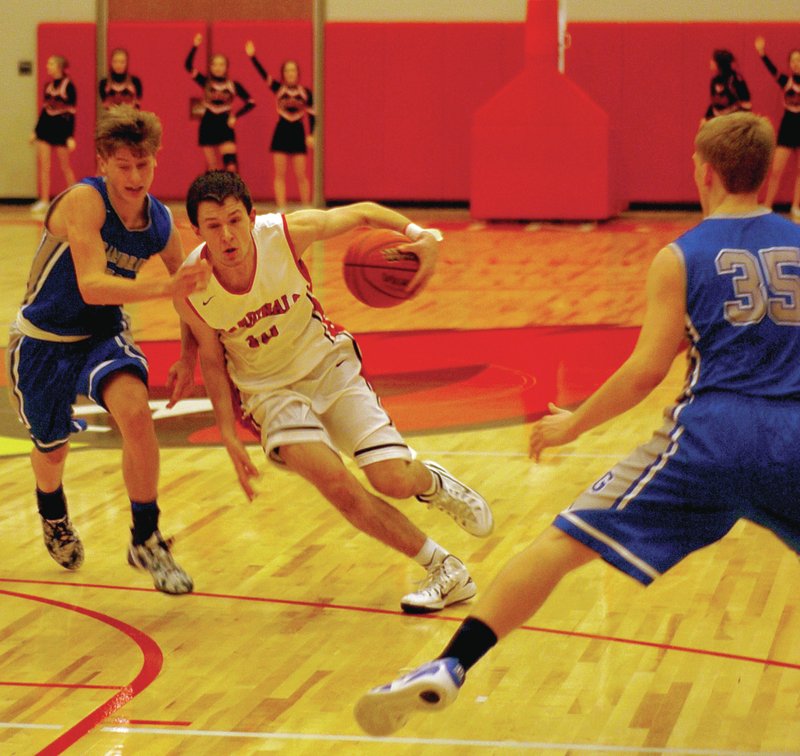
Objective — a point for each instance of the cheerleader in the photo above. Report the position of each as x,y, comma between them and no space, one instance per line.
121,87
55,129
789,131
216,133
729,91
289,140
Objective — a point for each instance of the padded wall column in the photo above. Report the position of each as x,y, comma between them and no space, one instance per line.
541,147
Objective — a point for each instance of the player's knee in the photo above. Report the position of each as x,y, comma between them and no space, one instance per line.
133,419
391,478
54,457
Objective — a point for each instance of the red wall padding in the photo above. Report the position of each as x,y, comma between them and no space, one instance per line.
399,101
157,53
550,156
275,42
400,97
76,42
653,80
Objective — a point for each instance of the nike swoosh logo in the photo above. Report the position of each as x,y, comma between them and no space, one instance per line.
206,301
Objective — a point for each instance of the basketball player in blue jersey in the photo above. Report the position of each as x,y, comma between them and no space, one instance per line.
71,336
727,289
298,376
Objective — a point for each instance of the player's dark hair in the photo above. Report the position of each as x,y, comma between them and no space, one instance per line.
125,126
216,186
724,60
739,148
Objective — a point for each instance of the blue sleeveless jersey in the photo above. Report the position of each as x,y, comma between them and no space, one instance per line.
53,304
743,305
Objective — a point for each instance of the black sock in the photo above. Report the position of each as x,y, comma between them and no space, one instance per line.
145,520
53,505
471,641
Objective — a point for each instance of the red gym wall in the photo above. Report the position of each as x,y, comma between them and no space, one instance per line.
401,97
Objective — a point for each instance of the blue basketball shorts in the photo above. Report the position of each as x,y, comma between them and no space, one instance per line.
46,377
723,458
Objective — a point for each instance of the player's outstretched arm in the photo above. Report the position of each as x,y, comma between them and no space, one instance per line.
80,214
218,386
309,226
659,342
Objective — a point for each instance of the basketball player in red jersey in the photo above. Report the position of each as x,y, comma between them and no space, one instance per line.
298,376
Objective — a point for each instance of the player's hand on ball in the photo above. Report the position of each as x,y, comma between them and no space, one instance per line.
554,429
426,248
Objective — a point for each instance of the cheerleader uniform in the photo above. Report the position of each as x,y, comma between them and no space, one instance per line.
56,122
120,89
789,130
218,96
729,93
293,103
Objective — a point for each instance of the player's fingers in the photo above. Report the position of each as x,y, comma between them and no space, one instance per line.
417,283
177,392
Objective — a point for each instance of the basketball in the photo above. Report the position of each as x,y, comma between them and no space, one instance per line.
376,271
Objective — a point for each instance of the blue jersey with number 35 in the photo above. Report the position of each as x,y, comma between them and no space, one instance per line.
743,304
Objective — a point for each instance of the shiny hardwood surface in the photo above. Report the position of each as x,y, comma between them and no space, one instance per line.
295,614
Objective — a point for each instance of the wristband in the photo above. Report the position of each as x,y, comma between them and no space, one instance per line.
413,232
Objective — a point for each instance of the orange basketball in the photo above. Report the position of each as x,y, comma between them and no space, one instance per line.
376,271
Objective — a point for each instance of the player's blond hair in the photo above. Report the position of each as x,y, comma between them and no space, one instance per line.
739,148
125,126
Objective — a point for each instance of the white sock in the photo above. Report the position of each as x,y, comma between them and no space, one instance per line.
430,554
435,485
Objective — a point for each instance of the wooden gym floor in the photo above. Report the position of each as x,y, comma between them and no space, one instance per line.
295,614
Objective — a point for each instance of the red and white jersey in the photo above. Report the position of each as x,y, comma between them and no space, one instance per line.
274,333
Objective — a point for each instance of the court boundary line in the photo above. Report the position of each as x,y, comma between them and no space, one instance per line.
153,661
421,617
394,740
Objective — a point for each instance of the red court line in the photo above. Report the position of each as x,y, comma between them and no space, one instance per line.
151,666
440,618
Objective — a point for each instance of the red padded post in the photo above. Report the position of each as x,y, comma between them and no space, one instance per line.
541,147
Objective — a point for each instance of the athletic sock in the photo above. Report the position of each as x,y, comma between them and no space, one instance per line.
53,505
471,641
145,520
435,485
430,554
